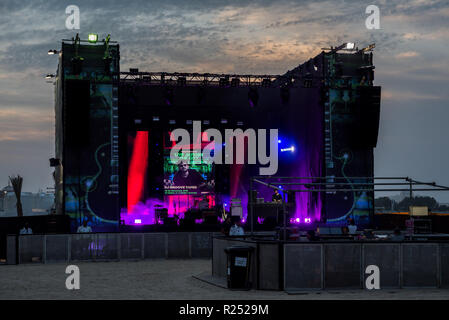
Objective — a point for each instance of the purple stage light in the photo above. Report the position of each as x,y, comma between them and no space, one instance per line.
137,221
308,220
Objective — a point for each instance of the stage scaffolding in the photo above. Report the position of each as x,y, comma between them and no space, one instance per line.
334,184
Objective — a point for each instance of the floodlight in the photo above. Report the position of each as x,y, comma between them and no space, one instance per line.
350,45
92,37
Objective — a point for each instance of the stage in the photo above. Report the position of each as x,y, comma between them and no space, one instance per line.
127,165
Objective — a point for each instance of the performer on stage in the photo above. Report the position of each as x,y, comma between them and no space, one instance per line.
276,196
187,177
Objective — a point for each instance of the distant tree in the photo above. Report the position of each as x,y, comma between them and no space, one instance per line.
16,183
384,202
429,202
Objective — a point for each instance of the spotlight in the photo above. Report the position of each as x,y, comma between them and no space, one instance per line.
266,83
350,45
155,118
92,38
137,221
307,220
292,149
279,141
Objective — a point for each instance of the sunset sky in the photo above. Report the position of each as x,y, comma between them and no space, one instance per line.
411,59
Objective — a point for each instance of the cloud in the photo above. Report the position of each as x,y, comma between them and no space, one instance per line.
408,54
236,36
25,124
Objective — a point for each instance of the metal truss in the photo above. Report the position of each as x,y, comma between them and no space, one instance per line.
207,79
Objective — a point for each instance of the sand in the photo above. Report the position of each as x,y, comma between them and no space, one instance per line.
158,279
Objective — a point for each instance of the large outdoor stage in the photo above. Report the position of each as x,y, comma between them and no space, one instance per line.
113,163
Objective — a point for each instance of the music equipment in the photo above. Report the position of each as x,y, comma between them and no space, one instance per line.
367,115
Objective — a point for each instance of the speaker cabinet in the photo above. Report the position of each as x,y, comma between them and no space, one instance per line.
76,112
367,117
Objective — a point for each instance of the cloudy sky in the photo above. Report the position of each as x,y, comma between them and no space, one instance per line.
411,58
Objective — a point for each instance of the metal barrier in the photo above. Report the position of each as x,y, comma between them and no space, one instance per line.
304,266
107,247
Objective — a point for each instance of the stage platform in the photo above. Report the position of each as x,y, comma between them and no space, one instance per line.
295,266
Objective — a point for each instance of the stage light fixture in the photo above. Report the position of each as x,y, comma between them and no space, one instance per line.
155,118
189,122
137,221
235,82
172,121
223,82
350,46
291,149
266,83
182,81
137,121
206,122
240,123
92,37
308,220
224,121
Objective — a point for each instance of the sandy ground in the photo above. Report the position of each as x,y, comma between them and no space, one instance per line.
158,279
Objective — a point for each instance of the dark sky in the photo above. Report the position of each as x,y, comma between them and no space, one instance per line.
411,58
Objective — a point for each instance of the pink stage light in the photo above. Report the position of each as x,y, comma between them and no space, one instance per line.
307,220
137,169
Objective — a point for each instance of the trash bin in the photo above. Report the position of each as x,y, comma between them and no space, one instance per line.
238,267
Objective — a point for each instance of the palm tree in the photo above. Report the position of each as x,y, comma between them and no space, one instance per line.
17,186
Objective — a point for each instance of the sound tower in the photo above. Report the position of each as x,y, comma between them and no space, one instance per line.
76,113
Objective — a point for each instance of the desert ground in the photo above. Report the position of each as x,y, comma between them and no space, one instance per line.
160,279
